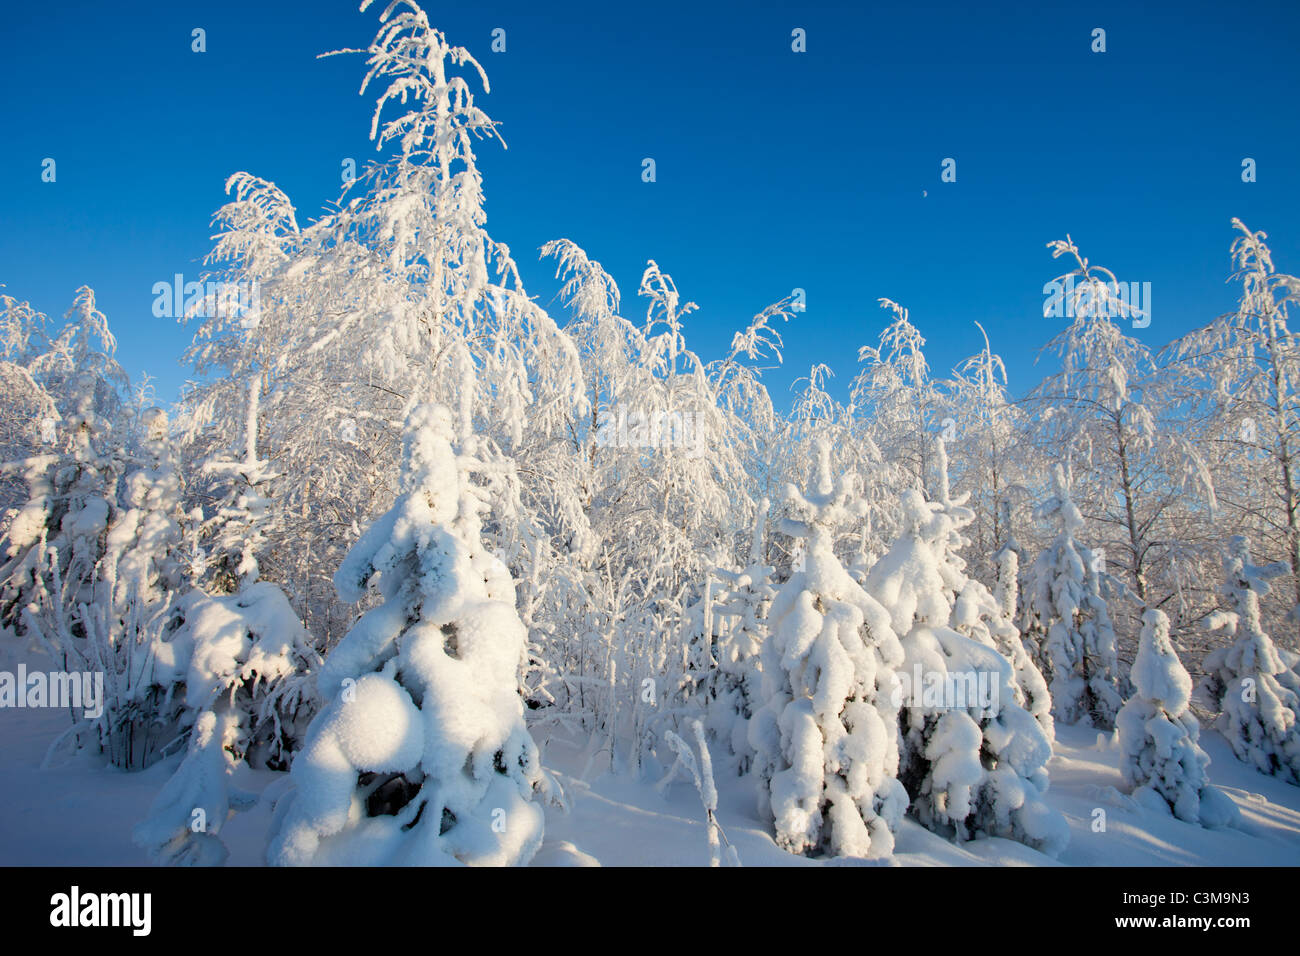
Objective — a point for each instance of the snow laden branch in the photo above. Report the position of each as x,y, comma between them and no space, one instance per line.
701,772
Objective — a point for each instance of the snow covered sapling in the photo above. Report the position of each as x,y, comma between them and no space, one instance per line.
1162,763
1066,603
734,686
421,756
1247,682
973,759
244,663
57,538
74,605
826,737
701,772
138,578
1030,685
234,672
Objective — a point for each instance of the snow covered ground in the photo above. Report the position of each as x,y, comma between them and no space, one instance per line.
80,814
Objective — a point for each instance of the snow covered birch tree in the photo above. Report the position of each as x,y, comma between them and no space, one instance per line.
895,390
991,431
1108,411
58,532
1248,362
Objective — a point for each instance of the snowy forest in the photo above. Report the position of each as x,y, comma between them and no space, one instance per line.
419,572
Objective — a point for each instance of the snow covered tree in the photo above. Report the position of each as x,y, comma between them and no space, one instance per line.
241,666
973,759
1162,762
816,417
895,390
976,613
1070,620
826,737
29,413
735,682
1247,682
1033,693
72,477
235,666
397,297
137,577
651,495
106,580
79,368
1246,364
995,458
421,755
145,540
1107,412
58,583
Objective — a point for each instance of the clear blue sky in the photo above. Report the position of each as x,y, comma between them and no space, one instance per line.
775,169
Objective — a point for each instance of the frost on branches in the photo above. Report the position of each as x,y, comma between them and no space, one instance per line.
973,759
826,737
421,757
1247,682
1162,763
1072,619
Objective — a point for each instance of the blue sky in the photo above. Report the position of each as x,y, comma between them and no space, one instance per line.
775,169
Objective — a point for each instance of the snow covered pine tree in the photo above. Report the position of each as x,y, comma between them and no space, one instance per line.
1161,760
421,757
973,759
1071,619
1256,694
826,737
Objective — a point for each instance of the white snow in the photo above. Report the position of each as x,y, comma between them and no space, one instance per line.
81,813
